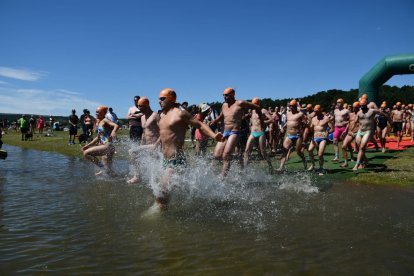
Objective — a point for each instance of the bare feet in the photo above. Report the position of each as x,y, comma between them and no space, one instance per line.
335,159
311,168
344,165
133,180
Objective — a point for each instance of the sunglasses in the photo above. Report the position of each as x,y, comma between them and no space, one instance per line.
162,98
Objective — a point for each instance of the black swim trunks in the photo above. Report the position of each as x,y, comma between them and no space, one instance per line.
135,133
398,126
174,163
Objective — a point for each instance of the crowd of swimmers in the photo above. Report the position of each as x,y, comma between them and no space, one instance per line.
244,124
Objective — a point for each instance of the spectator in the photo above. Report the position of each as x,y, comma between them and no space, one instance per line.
89,123
32,124
24,126
134,121
73,127
40,125
51,122
111,115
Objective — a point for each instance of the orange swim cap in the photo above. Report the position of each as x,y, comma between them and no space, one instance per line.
256,101
356,104
309,106
364,96
293,103
383,105
144,101
363,101
317,108
398,104
340,101
229,91
169,94
102,110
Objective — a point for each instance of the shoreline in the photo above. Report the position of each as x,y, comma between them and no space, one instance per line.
392,168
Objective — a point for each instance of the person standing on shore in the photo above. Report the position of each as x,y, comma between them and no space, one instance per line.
51,123
134,120
73,127
24,126
111,115
32,124
40,124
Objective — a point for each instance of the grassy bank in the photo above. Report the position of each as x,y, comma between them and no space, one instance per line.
393,168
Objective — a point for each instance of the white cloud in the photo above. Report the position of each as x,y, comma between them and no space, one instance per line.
37,101
21,74
3,82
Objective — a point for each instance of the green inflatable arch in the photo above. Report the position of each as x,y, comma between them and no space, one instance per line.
386,68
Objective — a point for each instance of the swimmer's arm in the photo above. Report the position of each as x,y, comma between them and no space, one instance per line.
246,104
114,126
218,119
376,111
132,116
205,129
91,143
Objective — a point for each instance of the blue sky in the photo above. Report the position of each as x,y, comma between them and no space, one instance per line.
59,55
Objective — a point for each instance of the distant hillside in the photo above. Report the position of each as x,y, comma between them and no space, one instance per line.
390,94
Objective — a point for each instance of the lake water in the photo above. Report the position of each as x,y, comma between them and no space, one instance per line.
56,216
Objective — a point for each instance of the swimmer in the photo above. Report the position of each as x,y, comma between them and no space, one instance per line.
295,121
150,134
351,131
173,125
382,126
397,121
366,117
341,117
257,134
319,126
232,113
102,145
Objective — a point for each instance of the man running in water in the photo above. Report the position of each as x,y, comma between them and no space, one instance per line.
173,125
232,113
366,117
257,134
397,120
295,121
351,131
382,126
341,117
319,127
150,135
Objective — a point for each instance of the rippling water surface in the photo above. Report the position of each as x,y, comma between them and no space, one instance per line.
56,216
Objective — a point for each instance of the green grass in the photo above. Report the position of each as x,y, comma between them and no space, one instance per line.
393,168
